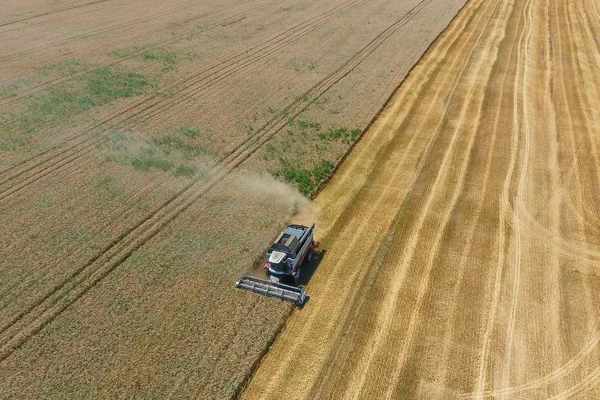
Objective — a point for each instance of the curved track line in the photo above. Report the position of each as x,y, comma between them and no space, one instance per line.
523,171
565,369
502,243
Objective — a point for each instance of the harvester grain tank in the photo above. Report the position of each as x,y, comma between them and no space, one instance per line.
283,262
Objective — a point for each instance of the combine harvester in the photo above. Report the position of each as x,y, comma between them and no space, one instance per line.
283,262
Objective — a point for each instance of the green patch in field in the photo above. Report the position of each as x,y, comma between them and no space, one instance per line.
304,97
187,149
301,64
60,103
105,85
165,153
343,134
336,109
166,57
304,124
149,159
109,186
321,102
189,131
231,387
185,170
306,180
268,152
41,202
12,143
119,305
12,89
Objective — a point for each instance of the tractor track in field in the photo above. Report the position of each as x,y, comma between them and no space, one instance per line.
79,144
5,299
53,12
31,320
53,82
66,156
18,55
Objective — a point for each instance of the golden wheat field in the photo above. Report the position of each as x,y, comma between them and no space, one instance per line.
462,234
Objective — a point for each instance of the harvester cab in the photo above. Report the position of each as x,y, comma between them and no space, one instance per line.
283,263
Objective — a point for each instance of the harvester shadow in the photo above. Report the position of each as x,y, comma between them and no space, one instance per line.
309,268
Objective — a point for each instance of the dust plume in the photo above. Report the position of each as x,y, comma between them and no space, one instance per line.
266,188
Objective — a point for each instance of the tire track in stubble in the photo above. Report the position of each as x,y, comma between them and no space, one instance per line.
502,245
480,378
479,392
559,373
572,98
514,299
555,277
383,328
444,364
84,278
541,234
590,216
397,281
568,248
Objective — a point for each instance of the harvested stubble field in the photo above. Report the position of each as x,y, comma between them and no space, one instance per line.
463,231
138,140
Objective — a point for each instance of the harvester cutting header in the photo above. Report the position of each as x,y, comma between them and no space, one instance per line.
283,262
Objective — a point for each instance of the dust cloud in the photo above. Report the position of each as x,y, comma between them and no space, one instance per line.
266,188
